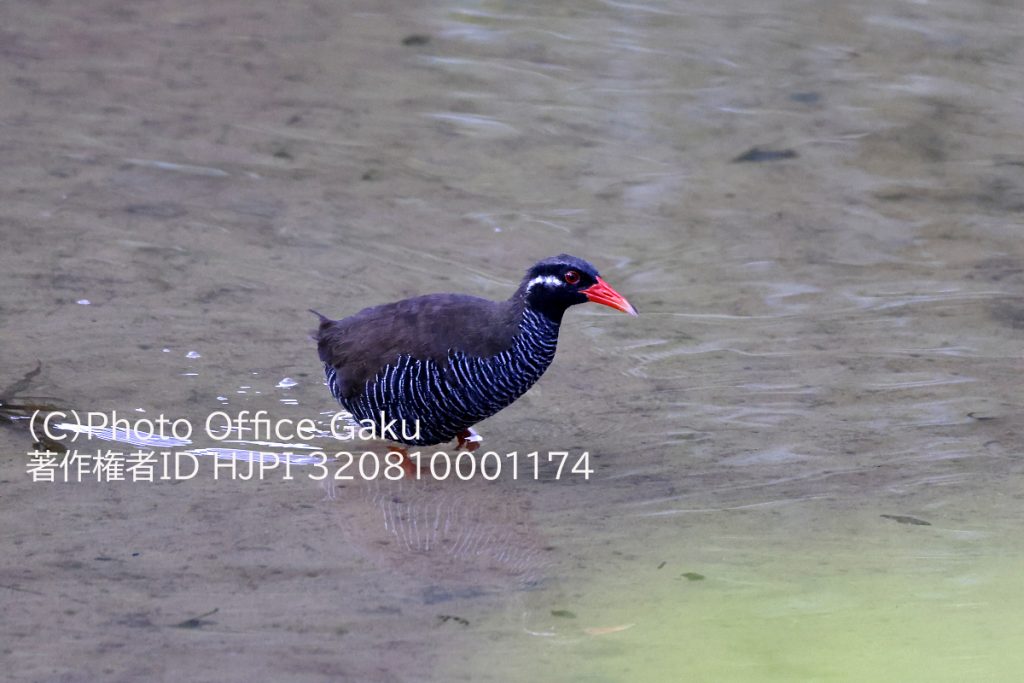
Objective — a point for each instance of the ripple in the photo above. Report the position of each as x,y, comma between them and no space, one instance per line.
472,124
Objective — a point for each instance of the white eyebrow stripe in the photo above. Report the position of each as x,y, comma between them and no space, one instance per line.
549,280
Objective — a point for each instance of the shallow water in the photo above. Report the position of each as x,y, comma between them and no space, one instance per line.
828,353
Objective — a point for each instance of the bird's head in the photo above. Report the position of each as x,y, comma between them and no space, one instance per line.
556,283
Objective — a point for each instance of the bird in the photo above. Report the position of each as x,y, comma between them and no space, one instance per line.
440,363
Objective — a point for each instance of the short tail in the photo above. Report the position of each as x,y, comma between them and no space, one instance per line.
324,320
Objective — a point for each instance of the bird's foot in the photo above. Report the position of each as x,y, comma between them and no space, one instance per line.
469,440
408,466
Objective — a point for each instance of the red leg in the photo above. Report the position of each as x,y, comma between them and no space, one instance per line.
469,440
408,466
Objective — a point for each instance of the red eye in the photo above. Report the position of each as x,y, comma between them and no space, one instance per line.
572,277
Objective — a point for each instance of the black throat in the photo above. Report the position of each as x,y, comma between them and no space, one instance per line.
551,308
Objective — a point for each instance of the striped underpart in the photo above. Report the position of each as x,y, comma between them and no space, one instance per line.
448,398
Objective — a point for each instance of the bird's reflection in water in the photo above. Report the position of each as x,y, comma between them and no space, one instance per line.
466,542
456,539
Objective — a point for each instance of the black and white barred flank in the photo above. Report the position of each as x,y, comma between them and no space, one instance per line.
444,400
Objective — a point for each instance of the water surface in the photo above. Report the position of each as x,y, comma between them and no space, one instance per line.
806,448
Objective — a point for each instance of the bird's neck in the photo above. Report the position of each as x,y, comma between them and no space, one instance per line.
536,331
535,324
534,342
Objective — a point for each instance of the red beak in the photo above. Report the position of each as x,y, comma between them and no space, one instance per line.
601,293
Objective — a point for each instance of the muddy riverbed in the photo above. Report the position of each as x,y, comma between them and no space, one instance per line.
806,451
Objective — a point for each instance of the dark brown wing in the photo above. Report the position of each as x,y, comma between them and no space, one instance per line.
425,327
